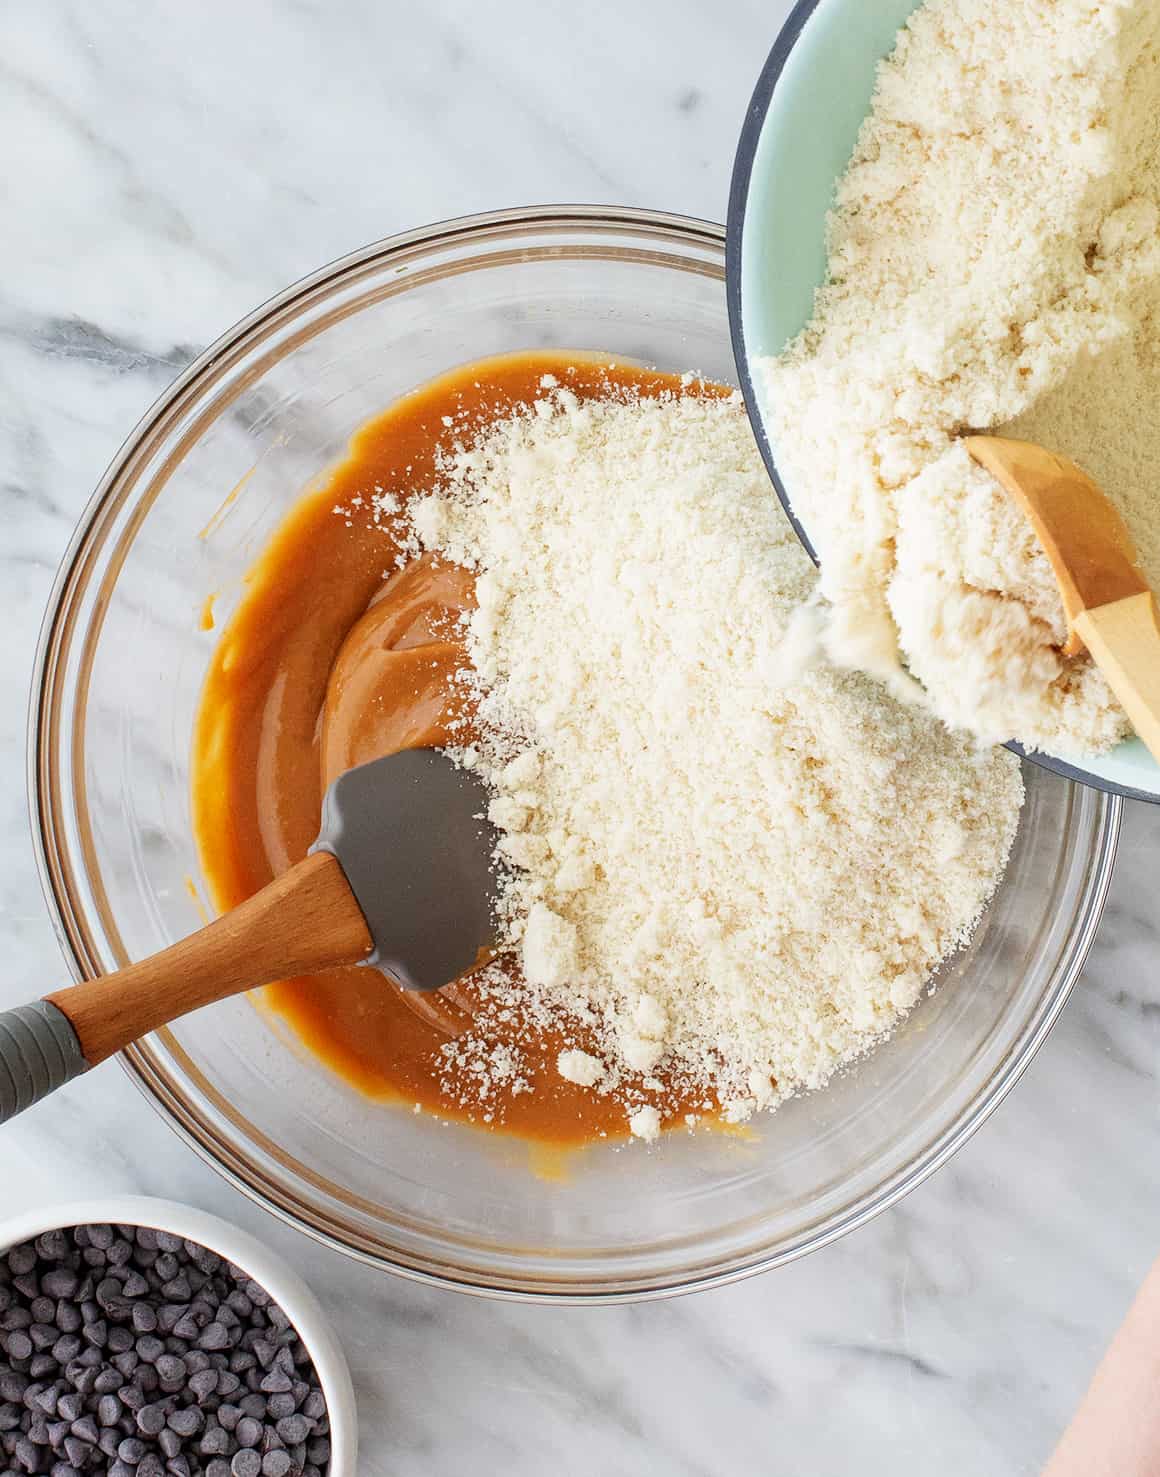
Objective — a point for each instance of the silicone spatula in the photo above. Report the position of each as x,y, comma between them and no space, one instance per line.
400,879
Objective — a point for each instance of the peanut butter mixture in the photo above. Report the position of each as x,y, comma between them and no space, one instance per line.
327,663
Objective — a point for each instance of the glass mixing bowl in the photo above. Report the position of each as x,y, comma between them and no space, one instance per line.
180,515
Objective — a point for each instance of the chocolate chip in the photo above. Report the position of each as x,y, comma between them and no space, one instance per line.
21,1260
12,1384
151,1419
166,1266
26,1454
109,1410
83,1377
170,1366
67,1316
60,1283
108,1291
240,1303
187,1422
203,1384
42,1309
248,1431
51,1246
78,1451
48,1398
66,1348
215,1442
70,1406
86,1429
293,1429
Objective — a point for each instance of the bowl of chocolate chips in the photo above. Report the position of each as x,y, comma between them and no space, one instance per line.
142,1338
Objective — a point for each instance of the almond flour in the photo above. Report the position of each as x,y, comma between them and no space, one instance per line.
725,874
994,264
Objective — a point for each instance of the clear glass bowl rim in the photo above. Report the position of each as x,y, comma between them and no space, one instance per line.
57,866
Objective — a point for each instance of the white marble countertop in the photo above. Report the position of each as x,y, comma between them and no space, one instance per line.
164,168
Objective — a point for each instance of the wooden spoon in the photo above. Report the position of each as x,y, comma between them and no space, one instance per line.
1110,609
400,877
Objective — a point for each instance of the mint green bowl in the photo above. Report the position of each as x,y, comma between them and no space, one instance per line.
799,132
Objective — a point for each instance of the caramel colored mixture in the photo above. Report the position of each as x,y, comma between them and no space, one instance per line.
327,664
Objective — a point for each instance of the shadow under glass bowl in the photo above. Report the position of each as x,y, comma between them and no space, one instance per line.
800,129
182,512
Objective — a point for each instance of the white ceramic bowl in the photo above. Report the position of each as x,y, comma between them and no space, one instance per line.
282,1283
799,132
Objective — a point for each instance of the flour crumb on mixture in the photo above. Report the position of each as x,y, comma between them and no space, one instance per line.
580,1067
645,1124
994,264
715,881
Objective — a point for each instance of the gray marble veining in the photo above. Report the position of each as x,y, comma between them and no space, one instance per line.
165,168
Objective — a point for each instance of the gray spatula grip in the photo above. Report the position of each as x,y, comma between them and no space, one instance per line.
39,1052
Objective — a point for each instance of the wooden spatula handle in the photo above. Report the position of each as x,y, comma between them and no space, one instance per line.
305,920
1124,640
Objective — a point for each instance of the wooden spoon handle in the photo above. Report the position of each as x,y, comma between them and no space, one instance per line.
1124,640
305,920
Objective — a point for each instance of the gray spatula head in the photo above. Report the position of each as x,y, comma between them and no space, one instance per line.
412,836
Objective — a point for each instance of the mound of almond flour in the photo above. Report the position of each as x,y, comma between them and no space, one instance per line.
732,874
994,264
